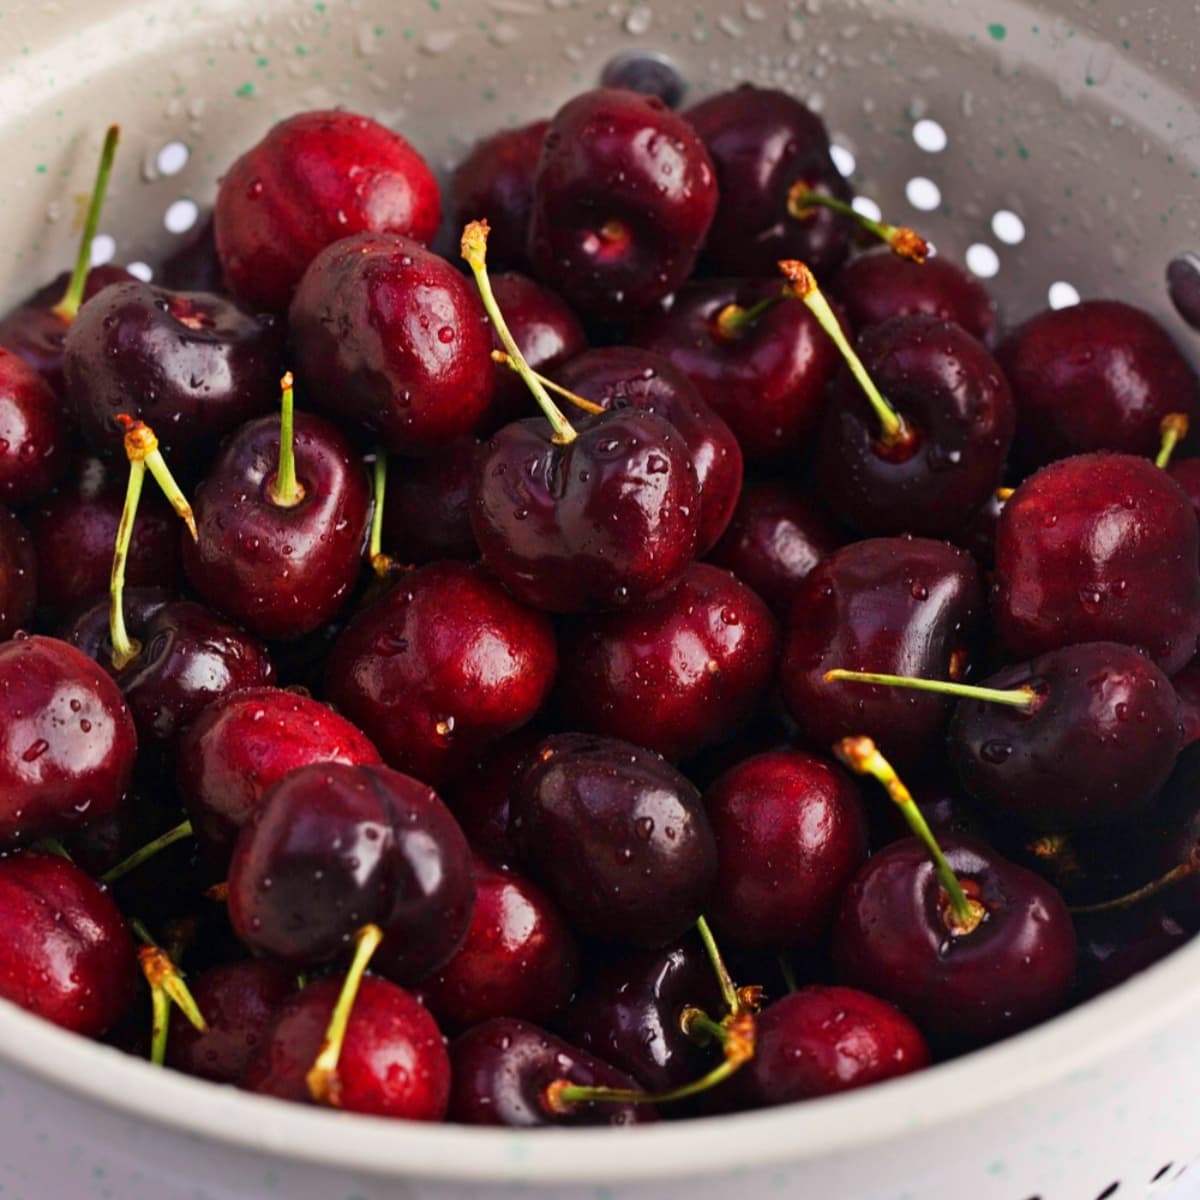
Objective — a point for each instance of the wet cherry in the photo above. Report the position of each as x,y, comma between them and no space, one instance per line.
33,433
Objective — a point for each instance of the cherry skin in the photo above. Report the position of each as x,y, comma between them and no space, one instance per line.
191,365
791,833
89,631
280,569
1187,688
767,379
903,606
1186,473
894,938
979,535
242,744
33,434
778,533
315,178
674,675
341,846
763,142
626,377
875,287
501,1069
959,413
1098,548
18,575
610,519
393,1061
427,506
619,838
1115,946
1097,376
391,338
240,1002
444,664
518,959
68,956
1180,822
67,741
623,197
495,183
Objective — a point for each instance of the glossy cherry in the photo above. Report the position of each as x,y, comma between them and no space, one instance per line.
18,575
1115,946
623,197
316,177
1187,687
1100,547
33,433
427,506
1186,473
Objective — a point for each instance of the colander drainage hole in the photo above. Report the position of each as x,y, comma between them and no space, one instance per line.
1063,294
1161,1172
181,216
1111,1190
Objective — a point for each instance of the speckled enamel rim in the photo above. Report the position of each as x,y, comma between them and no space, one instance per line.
1075,1041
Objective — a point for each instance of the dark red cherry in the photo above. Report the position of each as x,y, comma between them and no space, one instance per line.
316,177
67,741
610,519
33,433
444,664
335,847
391,338
943,804
194,265
240,1002
18,575
1097,376
1180,822
89,631
778,533
979,535
619,838
243,743
502,1068
902,606
1098,548
623,197
1186,473
1187,688
763,143
427,506
765,374
518,959
674,675
626,377
495,183
393,1061
895,937
875,287
958,412
68,956
1115,946
791,833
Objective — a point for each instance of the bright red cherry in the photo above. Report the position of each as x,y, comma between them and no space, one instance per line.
33,433
18,576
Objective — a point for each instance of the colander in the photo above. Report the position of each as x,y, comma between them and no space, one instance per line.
1054,147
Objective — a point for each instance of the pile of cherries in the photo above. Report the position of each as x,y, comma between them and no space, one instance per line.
668,653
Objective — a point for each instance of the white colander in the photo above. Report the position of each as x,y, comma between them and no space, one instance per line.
1056,148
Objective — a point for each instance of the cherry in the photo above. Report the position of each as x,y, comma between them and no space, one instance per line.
68,956
901,606
240,1001
1187,687
1096,376
518,959
242,744
944,807
979,535
315,178
33,434
500,1071
1096,548
336,846
791,833
390,337
764,143
495,183
1114,946
674,675
393,1062
282,515
444,664
875,287
427,506
1186,473
623,197
619,838
194,366
18,575
762,364
1180,847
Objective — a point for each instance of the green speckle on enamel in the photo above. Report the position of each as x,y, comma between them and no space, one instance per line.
245,91
997,32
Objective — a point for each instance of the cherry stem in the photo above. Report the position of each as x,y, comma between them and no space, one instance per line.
287,491
141,443
862,756
803,285
381,563
733,320
1184,871
147,852
474,251
1004,494
324,1084
789,973
1022,697
701,1028
905,242
69,305
1174,429
729,991
52,846
166,988
588,406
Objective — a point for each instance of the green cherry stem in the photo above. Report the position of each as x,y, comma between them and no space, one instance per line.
166,988
52,846
733,320
1021,697
729,991
1183,871
287,491
1174,429
905,242
474,251
175,834
69,305
588,406
381,563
